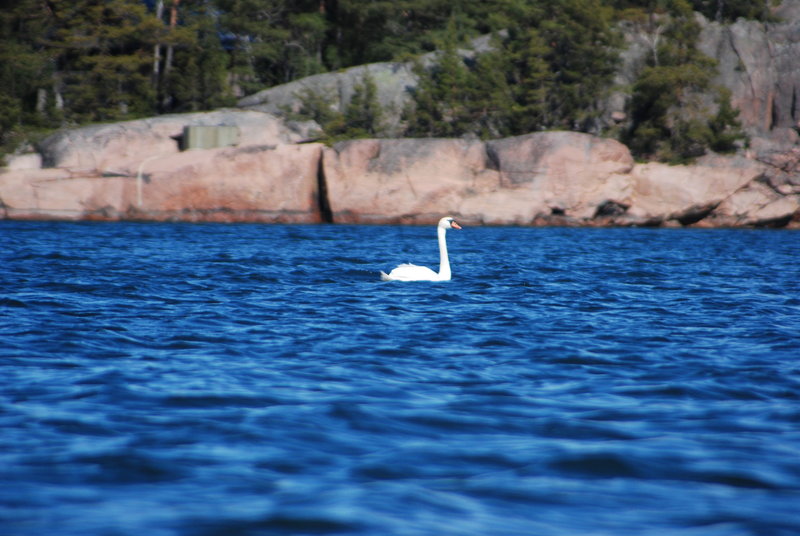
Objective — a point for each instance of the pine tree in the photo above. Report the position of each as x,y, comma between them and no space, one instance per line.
273,41
514,82
670,119
445,101
26,78
197,78
551,66
582,57
363,116
102,52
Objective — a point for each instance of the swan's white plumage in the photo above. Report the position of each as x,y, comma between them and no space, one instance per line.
412,272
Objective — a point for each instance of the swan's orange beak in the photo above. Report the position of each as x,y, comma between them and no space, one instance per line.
455,225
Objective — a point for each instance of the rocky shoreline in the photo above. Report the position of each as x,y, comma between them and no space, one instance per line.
136,170
272,170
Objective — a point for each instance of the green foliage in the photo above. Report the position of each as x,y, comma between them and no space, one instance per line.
381,30
672,120
198,76
719,10
583,54
552,62
730,10
550,66
24,70
362,118
725,126
272,41
445,100
103,52
656,93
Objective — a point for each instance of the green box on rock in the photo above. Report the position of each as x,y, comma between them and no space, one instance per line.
205,137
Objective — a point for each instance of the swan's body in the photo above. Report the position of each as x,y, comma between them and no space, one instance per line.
412,272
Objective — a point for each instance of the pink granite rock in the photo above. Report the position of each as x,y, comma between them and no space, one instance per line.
511,181
232,184
561,178
121,148
687,194
757,204
564,173
269,184
54,194
404,180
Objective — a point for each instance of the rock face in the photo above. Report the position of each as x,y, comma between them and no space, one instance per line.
254,183
559,178
135,170
122,147
393,81
116,172
689,194
513,181
758,63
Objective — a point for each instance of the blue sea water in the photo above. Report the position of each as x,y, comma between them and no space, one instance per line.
238,380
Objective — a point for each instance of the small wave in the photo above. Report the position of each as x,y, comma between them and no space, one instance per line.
10,302
596,465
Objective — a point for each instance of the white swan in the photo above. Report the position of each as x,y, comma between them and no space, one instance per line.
412,272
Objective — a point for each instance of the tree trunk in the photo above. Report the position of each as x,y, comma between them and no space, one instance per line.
157,49
173,21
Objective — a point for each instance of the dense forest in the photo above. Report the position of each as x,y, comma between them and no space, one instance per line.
71,62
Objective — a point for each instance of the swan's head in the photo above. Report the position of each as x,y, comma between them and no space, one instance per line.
448,223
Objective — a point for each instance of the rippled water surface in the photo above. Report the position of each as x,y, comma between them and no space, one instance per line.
174,379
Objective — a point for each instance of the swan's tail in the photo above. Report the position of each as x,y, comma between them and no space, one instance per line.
385,276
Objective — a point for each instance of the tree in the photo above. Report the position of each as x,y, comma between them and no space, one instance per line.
445,99
273,41
197,77
583,51
719,10
550,67
730,10
26,72
101,51
672,118
363,117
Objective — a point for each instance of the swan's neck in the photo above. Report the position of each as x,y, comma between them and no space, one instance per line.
444,261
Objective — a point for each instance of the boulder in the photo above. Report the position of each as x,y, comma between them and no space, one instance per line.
756,205
780,151
24,161
513,181
50,194
688,194
567,173
555,178
404,180
120,148
394,82
255,183
271,184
